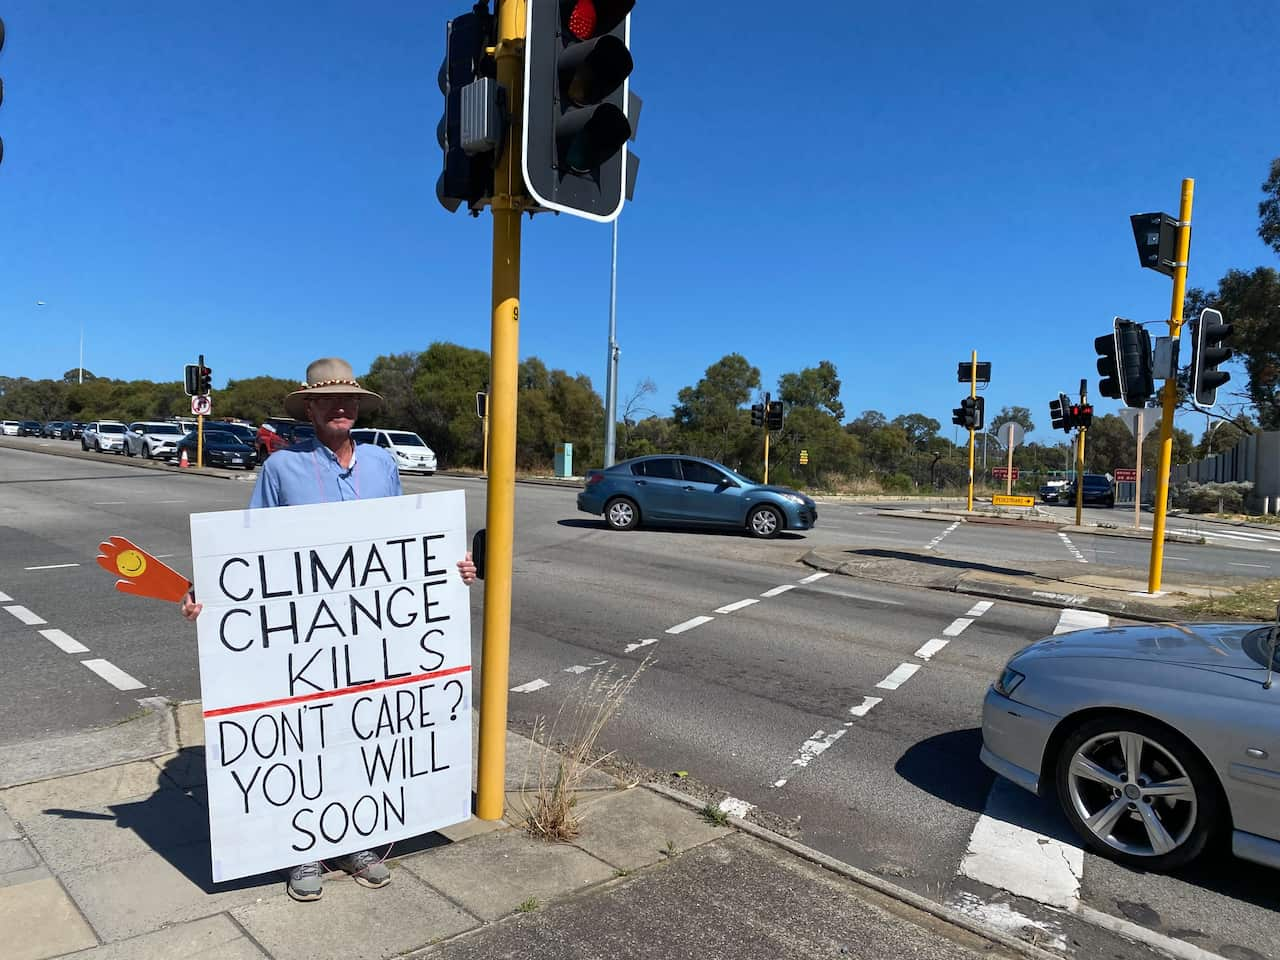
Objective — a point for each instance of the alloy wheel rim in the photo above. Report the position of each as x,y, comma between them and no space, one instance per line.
764,521
1132,794
620,514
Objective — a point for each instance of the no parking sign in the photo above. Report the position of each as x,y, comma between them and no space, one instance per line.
201,406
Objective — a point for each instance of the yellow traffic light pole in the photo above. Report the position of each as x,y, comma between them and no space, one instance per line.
973,395
508,201
1170,389
1080,457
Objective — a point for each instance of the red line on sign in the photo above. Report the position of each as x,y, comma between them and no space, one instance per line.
326,694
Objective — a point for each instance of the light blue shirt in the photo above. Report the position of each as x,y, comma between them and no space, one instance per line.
308,472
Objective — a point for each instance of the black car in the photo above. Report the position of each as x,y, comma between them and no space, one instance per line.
221,449
1097,489
30,428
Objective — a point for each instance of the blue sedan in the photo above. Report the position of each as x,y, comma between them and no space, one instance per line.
690,491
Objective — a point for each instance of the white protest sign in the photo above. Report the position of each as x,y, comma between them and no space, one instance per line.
335,676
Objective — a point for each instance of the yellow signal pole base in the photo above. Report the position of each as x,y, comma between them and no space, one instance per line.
505,359
766,455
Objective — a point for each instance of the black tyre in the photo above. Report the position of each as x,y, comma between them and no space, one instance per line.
128,451
97,446
622,513
764,522
1137,792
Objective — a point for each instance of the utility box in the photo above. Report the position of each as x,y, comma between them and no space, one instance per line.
564,460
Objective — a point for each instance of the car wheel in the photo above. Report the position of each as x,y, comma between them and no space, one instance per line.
764,522
128,451
97,446
1137,792
1111,501
621,513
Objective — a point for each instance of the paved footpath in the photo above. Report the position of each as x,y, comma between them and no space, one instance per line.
104,855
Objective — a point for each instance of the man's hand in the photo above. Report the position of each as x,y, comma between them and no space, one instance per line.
191,609
466,567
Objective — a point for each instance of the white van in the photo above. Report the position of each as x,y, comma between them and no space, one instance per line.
410,451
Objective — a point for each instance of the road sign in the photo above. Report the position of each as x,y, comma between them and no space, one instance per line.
1000,500
201,406
1125,474
804,456
1003,473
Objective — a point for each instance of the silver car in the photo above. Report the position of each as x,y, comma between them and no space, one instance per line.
152,438
1156,740
105,436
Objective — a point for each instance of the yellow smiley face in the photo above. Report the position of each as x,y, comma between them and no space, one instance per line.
131,563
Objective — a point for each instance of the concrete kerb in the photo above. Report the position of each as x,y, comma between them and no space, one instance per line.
1038,523
868,880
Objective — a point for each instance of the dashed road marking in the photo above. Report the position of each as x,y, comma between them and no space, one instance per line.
52,566
1070,620
63,642
814,576
689,624
931,647
1260,566
632,647
25,615
109,672
5,598
110,503
777,590
1072,548
957,626
738,605
862,709
813,747
576,668
900,675
938,539
531,686
979,608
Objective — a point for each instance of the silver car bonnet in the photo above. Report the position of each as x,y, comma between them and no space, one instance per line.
1204,644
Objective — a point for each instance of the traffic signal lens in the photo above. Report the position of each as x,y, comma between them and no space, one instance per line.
582,19
591,137
591,18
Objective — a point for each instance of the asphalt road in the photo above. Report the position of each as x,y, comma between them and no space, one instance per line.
769,702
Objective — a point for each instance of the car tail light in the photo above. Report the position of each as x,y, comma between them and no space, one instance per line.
595,476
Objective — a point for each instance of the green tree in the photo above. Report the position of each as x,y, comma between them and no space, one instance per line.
253,398
1269,209
709,416
1019,415
919,429
816,387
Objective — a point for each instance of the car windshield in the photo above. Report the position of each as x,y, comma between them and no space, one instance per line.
401,439
111,428
165,428
220,436
1258,643
304,431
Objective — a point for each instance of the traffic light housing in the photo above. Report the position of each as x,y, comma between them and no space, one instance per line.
482,404
575,131
1083,415
1156,235
204,379
773,416
191,379
970,414
469,129
1124,361
1208,351
757,414
1058,410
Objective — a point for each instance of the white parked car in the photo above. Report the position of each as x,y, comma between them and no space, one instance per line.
105,436
10,428
152,438
410,451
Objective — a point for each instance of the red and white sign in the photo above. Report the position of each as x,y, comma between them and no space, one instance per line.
1002,473
1126,475
201,405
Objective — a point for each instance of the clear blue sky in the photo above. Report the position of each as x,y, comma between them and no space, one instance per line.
883,186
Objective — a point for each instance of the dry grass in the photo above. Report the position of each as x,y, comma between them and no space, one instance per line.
1254,601
549,806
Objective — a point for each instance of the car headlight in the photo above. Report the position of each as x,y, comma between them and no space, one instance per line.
1008,681
793,498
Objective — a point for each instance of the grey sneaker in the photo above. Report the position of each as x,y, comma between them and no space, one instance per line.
365,868
306,881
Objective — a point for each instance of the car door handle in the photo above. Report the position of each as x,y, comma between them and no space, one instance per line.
690,489
642,483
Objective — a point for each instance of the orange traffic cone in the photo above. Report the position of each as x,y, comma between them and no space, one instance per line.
184,462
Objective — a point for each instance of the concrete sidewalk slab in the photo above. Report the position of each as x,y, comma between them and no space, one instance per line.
211,937
49,918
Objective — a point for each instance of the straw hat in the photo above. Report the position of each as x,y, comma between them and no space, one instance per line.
329,375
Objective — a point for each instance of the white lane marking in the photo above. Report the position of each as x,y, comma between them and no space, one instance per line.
957,626
730,607
576,668
938,539
25,615
927,651
5,598
1006,918
689,624
1005,854
862,709
531,686
1070,620
1072,548
1183,559
735,807
777,590
632,647
815,746
1096,550
63,642
815,576
979,608
901,674
52,566
109,672
1260,566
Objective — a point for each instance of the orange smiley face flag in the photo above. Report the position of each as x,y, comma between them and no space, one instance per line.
141,574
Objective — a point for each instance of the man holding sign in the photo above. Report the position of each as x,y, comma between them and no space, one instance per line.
338,652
